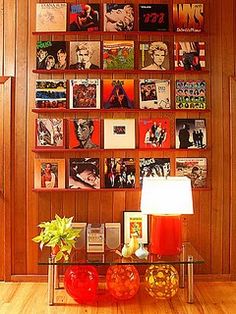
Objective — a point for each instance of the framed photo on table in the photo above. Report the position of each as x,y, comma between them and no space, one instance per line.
135,222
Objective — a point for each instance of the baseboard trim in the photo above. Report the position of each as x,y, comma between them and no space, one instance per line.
205,277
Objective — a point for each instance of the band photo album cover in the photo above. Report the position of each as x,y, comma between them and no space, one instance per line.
154,94
119,173
191,133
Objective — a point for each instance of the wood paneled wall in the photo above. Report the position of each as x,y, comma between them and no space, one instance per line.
209,229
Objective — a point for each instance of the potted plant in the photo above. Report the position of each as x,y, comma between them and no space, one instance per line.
59,235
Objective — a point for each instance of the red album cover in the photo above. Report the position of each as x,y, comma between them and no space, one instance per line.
84,17
189,55
154,133
118,93
188,17
84,133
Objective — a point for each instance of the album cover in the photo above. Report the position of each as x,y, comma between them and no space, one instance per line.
84,133
154,133
189,55
191,133
51,55
118,93
50,94
119,133
153,55
190,94
153,17
154,94
84,55
49,173
84,173
193,168
84,94
154,167
84,17
188,17
118,54
118,17
50,133
119,173
51,17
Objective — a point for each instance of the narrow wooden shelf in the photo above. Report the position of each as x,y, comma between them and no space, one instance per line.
132,33
149,149
64,110
125,71
102,190
85,190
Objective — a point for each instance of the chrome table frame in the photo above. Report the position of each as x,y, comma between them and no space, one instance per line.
53,276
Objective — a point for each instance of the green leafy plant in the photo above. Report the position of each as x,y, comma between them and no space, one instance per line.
59,235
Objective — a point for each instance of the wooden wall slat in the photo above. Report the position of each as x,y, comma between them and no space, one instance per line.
9,37
215,39
233,175
32,198
228,70
1,37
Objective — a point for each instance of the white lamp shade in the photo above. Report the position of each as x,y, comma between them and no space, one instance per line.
166,196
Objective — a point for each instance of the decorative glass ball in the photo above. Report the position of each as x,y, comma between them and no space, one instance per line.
81,283
161,281
122,281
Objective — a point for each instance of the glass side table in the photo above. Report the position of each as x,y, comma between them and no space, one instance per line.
186,259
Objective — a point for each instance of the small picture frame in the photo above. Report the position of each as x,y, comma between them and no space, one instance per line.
135,222
49,173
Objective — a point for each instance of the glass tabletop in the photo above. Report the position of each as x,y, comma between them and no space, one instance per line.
109,257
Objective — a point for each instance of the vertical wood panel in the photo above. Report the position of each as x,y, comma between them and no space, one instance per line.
233,174
215,39
228,70
32,198
1,37
21,136
9,37
6,175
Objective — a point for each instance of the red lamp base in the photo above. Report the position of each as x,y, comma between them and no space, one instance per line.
166,237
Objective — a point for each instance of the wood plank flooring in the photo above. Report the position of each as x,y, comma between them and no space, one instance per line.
27,298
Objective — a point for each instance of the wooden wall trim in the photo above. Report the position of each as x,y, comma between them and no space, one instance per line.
233,173
7,195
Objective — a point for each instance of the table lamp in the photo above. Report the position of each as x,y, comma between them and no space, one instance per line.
166,199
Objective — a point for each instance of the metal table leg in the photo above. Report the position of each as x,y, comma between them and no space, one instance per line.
190,279
182,268
56,277
50,281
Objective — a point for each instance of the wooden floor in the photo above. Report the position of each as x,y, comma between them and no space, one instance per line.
27,298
